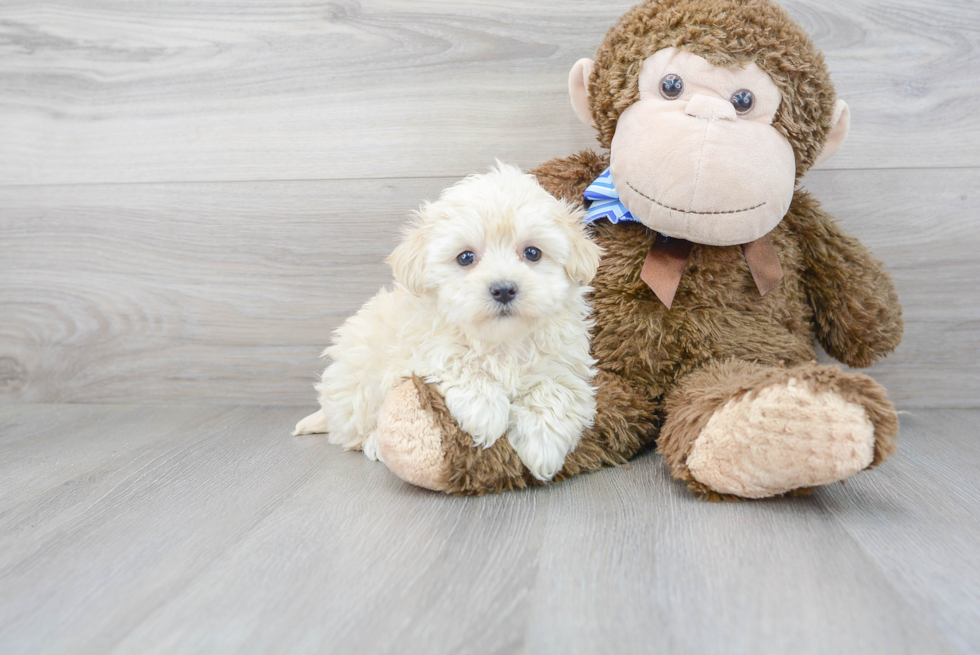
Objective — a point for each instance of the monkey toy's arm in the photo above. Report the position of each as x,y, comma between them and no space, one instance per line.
857,316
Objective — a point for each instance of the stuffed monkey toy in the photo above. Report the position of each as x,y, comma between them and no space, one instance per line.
718,271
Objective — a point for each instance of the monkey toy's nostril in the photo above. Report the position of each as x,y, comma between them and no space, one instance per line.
503,292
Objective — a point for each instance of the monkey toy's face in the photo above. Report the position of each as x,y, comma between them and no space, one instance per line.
697,156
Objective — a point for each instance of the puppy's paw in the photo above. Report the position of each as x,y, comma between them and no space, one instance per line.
541,445
481,412
315,423
371,448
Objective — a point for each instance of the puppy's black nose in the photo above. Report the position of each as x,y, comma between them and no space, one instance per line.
503,292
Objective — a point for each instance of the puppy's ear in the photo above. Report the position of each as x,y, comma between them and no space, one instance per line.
408,259
583,254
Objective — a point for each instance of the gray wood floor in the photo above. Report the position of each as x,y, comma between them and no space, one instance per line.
206,529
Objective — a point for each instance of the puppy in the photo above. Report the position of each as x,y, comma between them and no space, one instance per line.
489,306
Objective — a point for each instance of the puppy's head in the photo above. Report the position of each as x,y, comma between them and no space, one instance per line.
498,252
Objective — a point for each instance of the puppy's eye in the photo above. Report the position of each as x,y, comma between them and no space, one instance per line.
465,259
671,86
743,100
532,254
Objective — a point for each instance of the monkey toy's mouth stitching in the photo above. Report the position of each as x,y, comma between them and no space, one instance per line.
687,211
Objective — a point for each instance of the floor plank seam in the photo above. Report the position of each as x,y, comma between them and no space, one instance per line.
401,178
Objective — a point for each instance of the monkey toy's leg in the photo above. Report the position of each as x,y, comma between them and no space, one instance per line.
740,430
421,443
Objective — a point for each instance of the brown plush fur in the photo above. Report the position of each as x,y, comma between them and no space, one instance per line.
856,314
644,349
471,469
720,338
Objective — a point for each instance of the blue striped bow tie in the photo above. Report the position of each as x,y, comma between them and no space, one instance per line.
605,201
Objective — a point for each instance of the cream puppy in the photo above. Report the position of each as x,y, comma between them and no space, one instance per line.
488,305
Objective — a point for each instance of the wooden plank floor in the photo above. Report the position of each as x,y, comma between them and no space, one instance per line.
206,529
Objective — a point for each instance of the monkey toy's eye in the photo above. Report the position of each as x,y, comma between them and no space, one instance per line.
743,100
671,86
465,259
532,254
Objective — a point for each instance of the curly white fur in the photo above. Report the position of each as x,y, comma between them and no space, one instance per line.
523,368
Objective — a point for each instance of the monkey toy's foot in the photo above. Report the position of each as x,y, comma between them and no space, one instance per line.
421,443
740,430
410,438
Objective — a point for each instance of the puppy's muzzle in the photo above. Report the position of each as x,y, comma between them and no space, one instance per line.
503,292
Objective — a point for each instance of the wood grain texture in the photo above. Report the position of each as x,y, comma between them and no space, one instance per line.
111,91
931,489
208,530
228,292
925,226
214,292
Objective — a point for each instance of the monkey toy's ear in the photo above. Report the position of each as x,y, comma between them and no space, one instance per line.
842,123
578,88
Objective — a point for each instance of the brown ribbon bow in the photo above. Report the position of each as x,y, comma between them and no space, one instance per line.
668,257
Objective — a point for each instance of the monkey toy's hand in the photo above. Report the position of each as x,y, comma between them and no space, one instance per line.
857,316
